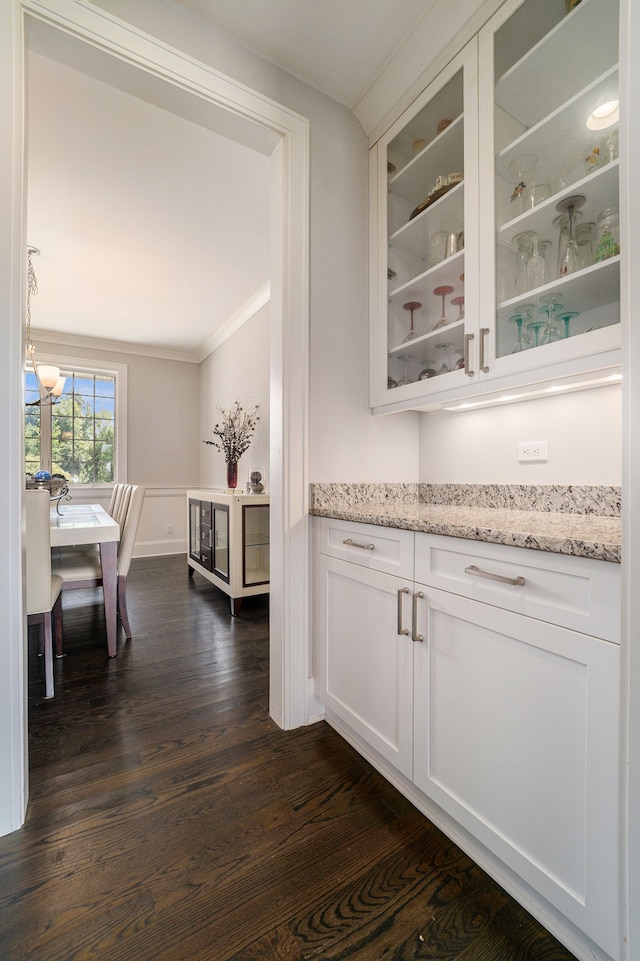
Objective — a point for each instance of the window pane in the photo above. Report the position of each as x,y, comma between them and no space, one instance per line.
82,428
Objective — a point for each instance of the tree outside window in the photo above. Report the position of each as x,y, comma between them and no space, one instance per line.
76,436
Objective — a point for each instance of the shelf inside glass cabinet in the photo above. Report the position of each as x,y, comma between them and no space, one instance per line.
584,44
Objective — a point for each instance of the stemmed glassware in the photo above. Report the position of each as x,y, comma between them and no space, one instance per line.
537,264
523,242
566,317
442,291
570,260
551,308
405,379
459,303
443,348
412,305
522,320
518,169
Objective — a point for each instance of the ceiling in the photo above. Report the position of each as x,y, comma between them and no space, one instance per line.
337,46
153,228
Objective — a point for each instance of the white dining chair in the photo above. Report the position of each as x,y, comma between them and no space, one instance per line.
82,569
43,588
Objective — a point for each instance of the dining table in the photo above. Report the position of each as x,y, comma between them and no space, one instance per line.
81,525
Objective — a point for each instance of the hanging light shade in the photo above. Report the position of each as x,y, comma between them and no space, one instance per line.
50,383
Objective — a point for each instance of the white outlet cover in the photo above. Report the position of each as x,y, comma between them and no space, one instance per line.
533,451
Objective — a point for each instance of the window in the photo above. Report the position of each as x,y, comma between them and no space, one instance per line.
79,435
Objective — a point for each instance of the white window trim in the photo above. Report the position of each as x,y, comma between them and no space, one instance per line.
111,369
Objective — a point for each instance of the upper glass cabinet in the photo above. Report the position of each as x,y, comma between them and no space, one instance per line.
555,153
495,215
422,279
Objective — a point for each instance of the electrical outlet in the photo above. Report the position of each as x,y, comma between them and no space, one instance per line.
169,528
536,451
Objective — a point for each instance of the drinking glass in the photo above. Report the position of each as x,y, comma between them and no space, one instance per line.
519,169
442,291
570,261
405,379
459,303
551,308
584,241
524,340
523,242
444,348
566,317
562,225
412,305
537,264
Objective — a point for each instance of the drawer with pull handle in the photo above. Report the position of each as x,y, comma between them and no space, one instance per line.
574,592
378,548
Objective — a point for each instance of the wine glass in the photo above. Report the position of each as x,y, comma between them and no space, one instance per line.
518,169
524,339
459,303
566,317
444,348
523,242
405,379
537,264
442,291
412,305
551,308
570,260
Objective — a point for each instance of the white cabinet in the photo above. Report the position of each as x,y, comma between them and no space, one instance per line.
229,541
526,89
364,666
480,673
516,733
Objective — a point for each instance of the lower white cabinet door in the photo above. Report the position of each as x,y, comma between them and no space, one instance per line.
365,668
516,737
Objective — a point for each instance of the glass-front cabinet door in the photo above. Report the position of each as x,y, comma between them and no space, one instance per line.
255,544
425,203
495,215
553,67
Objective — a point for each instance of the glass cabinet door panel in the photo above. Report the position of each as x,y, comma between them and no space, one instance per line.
425,230
255,544
220,541
194,529
556,175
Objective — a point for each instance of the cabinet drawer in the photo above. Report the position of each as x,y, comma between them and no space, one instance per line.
573,592
378,548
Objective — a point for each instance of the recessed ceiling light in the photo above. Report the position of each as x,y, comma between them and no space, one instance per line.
604,116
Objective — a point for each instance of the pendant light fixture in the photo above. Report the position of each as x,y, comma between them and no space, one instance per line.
50,383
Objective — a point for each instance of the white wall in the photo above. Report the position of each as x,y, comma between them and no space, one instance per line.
238,370
163,437
346,443
583,430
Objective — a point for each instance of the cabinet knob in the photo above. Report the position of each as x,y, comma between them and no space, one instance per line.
418,595
401,630
467,355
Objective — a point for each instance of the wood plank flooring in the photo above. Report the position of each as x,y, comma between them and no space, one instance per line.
171,820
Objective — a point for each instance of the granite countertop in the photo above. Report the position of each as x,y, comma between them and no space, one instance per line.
567,531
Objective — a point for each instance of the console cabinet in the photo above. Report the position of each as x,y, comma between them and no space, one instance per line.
229,541
484,681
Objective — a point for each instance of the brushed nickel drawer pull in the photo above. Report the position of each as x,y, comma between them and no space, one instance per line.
516,581
414,636
484,367
467,351
364,547
401,629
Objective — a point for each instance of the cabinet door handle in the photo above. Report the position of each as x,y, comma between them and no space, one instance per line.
516,581
401,629
467,351
481,363
364,547
418,595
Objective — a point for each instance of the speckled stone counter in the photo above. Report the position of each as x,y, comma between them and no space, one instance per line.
582,521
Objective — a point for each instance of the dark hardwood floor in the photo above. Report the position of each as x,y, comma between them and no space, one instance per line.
171,819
